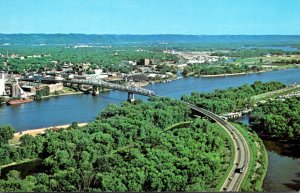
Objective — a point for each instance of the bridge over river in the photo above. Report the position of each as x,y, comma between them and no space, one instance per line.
96,83
241,150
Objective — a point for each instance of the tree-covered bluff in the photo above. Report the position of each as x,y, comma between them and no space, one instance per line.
146,146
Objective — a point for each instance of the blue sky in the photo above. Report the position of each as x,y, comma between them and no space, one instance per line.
201,17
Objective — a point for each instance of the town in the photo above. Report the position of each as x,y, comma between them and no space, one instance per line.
142,72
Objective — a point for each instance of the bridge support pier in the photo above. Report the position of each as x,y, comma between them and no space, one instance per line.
130,97
95,90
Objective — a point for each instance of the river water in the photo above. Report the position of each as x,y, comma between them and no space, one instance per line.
284,165
84,108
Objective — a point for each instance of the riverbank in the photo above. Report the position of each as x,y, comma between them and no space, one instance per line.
35,132
62,94
238,73
222,75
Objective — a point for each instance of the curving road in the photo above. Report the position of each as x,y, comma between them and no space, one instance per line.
242,156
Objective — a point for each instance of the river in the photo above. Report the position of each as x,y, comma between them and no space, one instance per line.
284,165
84,108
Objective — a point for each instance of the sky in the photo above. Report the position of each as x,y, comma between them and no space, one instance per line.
198,17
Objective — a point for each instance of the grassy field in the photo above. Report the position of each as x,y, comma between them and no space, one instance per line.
258,163
247,60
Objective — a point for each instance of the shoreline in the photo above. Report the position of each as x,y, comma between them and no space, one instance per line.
63,94
233,74
236,74
35,132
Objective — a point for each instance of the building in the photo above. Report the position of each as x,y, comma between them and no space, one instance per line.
98,71
67,68
54,87
2,84
82,67
145,62
15,90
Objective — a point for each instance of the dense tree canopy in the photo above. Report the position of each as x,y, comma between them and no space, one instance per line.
213,69
231,99
277,119
6,133
133,147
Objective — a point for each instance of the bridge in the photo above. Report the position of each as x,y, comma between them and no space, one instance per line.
96,83
242,157
241,149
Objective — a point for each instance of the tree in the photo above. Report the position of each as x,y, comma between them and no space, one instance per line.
6,133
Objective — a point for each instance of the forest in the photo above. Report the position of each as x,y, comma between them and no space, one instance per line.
277,119
231,99
145,146
213,69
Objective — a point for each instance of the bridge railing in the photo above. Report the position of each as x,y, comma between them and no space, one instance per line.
98,82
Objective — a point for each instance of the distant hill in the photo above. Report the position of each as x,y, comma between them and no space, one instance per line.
72,39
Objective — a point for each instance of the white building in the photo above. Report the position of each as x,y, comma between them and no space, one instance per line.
2,84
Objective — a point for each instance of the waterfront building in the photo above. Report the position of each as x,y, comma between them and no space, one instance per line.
2,84
15,91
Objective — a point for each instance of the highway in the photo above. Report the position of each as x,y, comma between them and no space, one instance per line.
242,156
242,153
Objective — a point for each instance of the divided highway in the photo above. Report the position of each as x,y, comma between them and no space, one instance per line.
242,155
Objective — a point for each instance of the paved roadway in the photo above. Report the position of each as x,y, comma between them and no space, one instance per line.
242,156
98,83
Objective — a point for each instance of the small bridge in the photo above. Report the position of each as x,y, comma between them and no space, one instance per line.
96,83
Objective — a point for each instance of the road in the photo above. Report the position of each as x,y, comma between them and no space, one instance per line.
242,156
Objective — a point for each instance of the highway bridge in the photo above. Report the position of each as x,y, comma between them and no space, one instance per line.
242,157
96,82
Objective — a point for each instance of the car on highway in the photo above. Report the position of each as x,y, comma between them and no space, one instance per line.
239,169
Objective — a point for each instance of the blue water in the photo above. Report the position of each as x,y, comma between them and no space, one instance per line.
284,166
85,108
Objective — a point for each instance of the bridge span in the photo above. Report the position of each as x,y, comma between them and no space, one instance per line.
96,82
242,152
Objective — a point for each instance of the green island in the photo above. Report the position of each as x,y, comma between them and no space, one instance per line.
133,147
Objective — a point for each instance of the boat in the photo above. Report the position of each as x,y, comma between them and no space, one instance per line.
15,102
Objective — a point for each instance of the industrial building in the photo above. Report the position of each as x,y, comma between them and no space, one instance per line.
2,84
